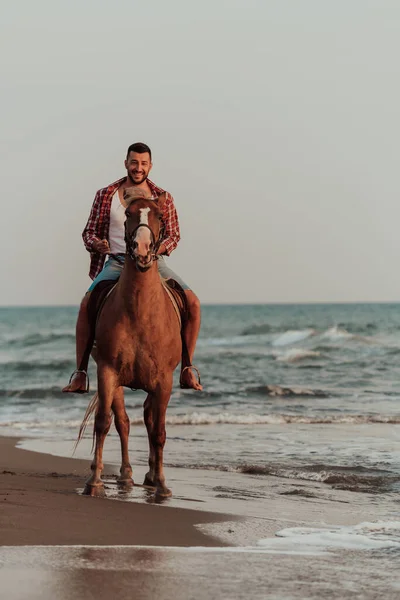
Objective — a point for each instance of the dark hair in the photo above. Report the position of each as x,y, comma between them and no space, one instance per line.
138,147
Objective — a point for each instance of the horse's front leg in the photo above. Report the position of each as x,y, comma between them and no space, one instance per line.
159,402
148,419
106,388
122,425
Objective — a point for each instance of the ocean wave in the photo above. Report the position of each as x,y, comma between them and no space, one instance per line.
326,349
393,351
350,328
260,329
40,393
288,337
295,355
259,340
32,393
197,418
285,392
33,364
293,336
382,535
337,334
357,328
371,482
35,339
356,478
41,425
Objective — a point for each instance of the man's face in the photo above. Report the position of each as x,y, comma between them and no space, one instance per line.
138,167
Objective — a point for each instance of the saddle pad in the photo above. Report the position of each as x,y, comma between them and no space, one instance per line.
103,289
97,298
175,294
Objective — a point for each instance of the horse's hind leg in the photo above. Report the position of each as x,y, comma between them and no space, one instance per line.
122,425
106,388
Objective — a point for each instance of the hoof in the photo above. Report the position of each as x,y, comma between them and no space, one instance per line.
96,491
125,483
148,482
163,492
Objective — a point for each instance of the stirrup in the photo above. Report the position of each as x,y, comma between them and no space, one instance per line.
86,390
185,387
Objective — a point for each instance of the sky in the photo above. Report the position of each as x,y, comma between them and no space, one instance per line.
273,123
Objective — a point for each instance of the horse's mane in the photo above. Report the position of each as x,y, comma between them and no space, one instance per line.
133,200
132,194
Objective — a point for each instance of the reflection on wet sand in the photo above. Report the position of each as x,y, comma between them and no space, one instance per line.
143,493
73,573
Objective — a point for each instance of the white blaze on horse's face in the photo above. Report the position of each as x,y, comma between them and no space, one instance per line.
143,235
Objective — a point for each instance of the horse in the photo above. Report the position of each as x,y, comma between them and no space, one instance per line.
138,345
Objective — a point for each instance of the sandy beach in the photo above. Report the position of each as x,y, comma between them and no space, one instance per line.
40,506
56,543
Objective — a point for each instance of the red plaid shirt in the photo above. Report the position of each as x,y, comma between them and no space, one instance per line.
98,225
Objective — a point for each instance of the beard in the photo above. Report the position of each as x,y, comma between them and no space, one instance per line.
137,180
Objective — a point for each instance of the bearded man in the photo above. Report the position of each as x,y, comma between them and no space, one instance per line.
104,235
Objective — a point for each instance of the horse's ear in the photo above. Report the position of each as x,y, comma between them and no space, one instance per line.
161,200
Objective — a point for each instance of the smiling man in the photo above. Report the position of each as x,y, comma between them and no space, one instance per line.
104,235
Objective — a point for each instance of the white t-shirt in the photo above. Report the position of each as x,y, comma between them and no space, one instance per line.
117,230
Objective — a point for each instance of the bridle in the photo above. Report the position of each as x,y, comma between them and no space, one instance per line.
129,240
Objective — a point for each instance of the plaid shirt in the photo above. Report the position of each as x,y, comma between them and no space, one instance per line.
98,225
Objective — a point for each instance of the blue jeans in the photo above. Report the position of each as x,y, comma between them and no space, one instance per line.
112,270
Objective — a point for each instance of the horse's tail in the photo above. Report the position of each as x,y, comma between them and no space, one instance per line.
92,408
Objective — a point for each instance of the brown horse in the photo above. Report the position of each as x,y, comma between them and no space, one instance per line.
138,345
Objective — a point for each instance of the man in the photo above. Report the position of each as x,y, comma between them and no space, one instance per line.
104,234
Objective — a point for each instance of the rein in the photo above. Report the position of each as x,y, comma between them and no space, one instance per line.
129,240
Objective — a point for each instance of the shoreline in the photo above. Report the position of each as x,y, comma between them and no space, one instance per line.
40,506
41,503
57,543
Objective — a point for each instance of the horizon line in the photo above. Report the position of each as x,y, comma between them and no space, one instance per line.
246,303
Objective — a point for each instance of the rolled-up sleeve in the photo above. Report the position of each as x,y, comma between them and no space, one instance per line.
90,234
172,233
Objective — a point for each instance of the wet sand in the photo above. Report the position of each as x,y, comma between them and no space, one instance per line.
40,573
55,543
39,505
241,508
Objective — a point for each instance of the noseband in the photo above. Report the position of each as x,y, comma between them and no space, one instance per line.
129,240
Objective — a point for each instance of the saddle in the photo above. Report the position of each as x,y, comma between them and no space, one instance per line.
105,288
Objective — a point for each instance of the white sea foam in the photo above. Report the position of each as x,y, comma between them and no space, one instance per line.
296,355
203,418
305,540
292,337
238,340
336,333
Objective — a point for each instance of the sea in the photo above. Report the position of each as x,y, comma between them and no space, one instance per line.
308,391
298,424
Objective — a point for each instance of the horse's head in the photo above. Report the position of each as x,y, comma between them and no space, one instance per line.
142,227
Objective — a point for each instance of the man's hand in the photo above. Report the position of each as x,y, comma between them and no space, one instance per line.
161,250
101,246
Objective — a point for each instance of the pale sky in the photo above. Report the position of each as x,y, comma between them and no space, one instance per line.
274,124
